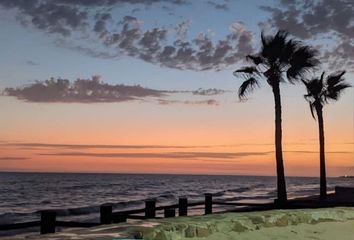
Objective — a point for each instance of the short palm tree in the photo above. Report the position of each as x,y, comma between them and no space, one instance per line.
279,58
319,92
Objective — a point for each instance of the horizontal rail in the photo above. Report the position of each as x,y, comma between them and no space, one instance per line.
128,212
13,226
142,210
242,204
76,224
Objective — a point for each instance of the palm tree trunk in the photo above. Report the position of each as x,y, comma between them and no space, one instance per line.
281,185
323,183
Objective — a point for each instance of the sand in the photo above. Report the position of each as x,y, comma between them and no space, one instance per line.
321,224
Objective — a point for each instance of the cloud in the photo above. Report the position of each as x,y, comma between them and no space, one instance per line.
219,6
93,24
35,146
327,152
13,158
210,102
49,16
64,17
208,92
80,91
94,90
31,63
170,155
200,53
321,19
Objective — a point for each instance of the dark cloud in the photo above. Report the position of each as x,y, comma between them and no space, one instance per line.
93,24
94,91
81,91
31,63
64,17
13,158
113,2
220,6
153,46
49,16
170,155
321,19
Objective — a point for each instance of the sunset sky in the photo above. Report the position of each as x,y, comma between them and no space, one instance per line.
156,93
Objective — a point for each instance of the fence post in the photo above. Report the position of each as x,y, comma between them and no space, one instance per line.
150,208
48,219
169,212
208,203
182,206
106,214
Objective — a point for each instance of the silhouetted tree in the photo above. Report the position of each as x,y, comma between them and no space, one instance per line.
320,92
278,57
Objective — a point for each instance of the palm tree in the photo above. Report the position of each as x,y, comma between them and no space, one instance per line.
278,57
320,92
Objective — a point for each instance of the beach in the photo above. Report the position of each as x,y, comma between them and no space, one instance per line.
321,224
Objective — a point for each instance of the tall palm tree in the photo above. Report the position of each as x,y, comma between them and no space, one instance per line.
320,92
279,57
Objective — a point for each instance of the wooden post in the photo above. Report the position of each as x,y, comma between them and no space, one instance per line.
106,214
182,206
119,218
169,212
208,203
150,209
48,219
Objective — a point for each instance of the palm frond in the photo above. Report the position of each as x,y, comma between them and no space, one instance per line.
333,93
246,87
302,60
247,70
334,79
288,50
312,110
335,86
272,46
255,59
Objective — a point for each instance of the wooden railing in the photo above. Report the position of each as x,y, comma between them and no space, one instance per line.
49,222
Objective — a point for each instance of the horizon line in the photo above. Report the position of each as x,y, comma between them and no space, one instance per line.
162,173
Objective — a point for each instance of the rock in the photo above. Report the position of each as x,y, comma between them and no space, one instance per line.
238,227
257,219
203,231
282,221
190,232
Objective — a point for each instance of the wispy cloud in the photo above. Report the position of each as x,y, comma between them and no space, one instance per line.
217,5
35,145
208,92
13,158
31,63
94,91
329,152
210,102
81,91
169,155
94,146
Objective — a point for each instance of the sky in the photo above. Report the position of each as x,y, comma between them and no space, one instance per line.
147,86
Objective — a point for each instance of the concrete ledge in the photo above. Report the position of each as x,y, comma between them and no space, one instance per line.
344,194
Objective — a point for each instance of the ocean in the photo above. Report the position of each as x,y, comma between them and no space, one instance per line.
77,196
